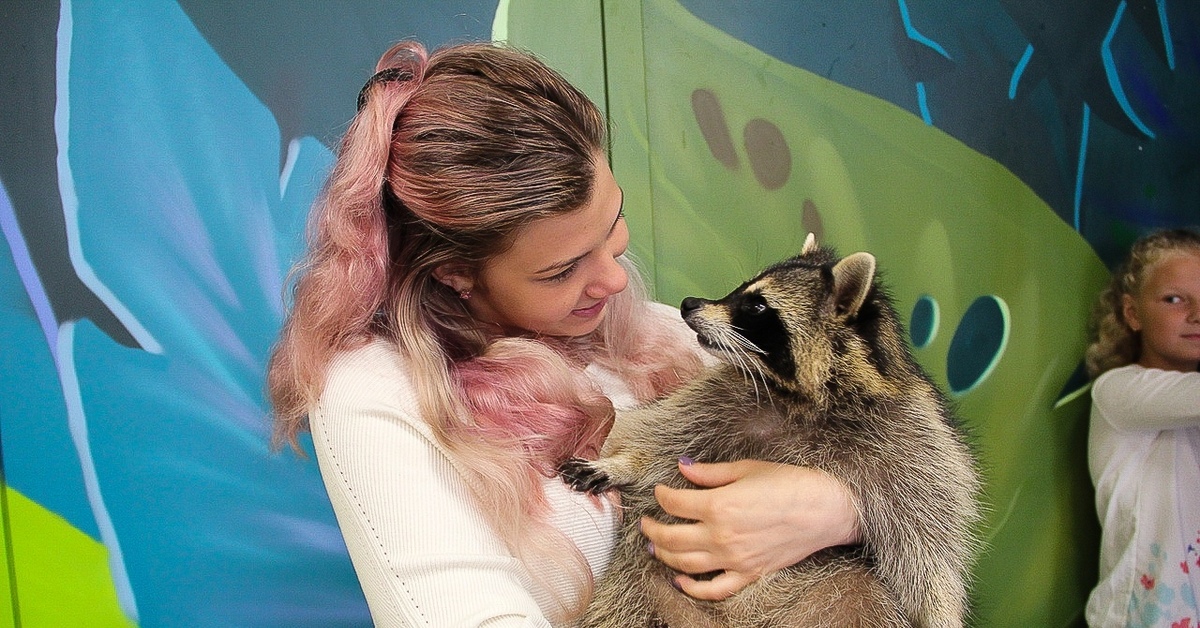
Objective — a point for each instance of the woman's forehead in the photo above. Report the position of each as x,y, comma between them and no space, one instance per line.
557,240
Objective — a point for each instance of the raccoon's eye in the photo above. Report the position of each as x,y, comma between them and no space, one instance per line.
753,305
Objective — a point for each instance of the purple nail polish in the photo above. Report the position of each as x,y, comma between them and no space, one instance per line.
675,584
650,548
686,461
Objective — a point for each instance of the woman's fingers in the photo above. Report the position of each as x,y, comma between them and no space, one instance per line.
683,548
747,518
680,547
722,586
691,504
713,474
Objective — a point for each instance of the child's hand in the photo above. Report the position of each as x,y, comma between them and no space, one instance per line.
752,519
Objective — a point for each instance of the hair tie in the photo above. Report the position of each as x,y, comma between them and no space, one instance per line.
382,76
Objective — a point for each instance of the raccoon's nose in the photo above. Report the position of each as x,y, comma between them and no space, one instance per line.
689,305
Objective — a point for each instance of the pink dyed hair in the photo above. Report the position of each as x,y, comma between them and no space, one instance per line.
444,164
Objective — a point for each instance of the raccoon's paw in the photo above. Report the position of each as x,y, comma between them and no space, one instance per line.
583,476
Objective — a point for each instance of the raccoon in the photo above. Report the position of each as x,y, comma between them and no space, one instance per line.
815,372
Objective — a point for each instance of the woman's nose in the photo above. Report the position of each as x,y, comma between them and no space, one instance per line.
612,279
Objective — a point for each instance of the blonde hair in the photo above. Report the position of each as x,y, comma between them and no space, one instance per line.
1115,343
450,155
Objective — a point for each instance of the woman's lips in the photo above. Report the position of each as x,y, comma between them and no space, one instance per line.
591,311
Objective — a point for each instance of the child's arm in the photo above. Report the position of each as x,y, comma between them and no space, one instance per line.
1148,399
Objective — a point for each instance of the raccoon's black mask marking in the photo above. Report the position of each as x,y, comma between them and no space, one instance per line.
759,323
755,319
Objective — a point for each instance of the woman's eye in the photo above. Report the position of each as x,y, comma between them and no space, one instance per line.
1173,298
562,276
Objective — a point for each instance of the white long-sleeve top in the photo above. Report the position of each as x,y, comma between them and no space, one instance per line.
1144,457
423,552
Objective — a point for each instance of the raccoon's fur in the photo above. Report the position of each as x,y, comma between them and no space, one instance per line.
816,372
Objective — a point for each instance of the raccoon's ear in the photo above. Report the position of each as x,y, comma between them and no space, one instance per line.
852,279
810,244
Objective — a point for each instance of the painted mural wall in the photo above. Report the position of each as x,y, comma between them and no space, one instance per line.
158,159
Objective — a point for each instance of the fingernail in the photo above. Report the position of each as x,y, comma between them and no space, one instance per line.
686,461
650,548
675,584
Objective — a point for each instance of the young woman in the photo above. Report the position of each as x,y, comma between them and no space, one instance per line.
1144,445
465,320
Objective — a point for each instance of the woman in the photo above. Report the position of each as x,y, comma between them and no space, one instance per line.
466,319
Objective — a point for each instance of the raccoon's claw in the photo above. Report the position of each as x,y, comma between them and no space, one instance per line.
583,476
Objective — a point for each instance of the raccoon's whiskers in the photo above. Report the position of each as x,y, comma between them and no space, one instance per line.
748,348
738,357
739,349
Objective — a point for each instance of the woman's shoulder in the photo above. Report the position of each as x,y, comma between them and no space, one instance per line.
372,373
662,310
375,356
668,319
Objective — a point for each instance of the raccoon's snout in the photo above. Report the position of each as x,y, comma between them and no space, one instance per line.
691,304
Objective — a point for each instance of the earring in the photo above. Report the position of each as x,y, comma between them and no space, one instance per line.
465,294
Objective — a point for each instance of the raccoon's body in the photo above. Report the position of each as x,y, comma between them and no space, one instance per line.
816,373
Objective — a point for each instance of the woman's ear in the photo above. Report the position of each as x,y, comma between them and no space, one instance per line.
1129,311
456,276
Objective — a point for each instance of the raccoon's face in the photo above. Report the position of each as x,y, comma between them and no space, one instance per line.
780,327
746,330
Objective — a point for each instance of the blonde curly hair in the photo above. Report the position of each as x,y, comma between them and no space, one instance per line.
1114,342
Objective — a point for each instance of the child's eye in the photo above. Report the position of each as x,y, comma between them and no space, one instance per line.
1173,298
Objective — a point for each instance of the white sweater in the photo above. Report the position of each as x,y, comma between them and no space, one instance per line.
422,550
1144,455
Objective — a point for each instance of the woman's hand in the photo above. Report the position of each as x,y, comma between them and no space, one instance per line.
752,518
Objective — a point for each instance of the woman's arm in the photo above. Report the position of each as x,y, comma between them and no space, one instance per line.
1148,399
423,553
753,518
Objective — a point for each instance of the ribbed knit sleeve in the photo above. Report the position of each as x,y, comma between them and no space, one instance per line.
1144,457
423,553
1138,398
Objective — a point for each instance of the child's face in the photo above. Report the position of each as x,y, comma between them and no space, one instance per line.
1167,313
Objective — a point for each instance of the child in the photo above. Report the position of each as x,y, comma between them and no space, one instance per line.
1144,445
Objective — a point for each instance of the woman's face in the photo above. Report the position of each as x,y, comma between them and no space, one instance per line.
1167,313
557,277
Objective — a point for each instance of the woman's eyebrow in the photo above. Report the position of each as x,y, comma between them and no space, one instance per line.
560,265
566,263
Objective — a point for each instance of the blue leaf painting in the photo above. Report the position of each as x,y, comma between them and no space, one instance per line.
180,211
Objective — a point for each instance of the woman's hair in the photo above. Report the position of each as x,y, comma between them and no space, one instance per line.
1115,342
450,155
